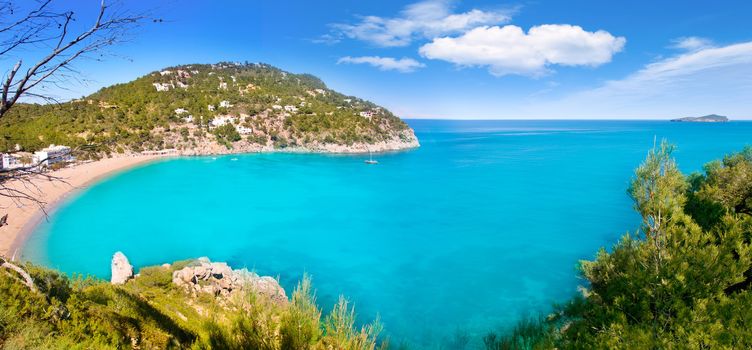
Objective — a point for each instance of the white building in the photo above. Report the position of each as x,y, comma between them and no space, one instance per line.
180,111
367,114
165,72
182,85
243,130
52,155
222,120
188,119
163,86
225,104
222,85
11,161
210,107
291,108
276,107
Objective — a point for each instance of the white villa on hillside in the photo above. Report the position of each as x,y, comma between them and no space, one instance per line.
163,86
243,130
210,107
276,107
180,111
52,155
222,120
225,104
165,72
11,161
291,108
367,114
222,85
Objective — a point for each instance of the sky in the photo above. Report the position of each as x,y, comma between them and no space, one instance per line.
482,59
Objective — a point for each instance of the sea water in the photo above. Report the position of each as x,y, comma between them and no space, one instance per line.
483,224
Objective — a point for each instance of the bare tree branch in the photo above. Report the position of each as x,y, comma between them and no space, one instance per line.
40,26
103,33
27,280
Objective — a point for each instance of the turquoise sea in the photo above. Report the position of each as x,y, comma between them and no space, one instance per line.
483,224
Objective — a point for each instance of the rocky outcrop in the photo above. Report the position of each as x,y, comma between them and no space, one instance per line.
400,141
122,270
217,278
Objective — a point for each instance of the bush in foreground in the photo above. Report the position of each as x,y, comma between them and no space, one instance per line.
682,281
149,312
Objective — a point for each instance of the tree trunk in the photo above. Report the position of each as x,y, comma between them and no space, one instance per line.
28,281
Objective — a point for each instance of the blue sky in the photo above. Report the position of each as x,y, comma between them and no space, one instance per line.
465,59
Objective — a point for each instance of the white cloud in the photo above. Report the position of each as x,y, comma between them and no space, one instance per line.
710,80
691,43
426,19
509,50
404,65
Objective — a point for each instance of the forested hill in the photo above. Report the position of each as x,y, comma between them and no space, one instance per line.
217,108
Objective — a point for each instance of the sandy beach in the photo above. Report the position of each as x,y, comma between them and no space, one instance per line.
24,215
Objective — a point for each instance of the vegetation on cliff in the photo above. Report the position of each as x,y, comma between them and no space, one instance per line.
150,312
188,106
682,281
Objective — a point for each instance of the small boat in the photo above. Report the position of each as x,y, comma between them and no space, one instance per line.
370,159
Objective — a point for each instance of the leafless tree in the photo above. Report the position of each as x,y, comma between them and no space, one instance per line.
39,26
43,27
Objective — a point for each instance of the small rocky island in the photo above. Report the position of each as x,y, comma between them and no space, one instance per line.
711,118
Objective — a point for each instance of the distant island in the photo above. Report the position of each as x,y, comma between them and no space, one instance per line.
711,118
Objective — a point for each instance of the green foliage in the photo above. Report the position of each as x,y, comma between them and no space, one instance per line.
301,324
149,313
675,283
227,132
340,331
528,334
135,116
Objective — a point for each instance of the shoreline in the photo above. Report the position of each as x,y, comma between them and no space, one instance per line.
24,216
23,219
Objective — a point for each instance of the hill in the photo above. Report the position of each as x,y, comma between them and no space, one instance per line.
711,118
210,109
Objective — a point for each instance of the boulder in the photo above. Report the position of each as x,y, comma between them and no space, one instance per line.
219,279
122,270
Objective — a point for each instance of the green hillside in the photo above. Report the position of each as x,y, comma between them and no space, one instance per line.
271,108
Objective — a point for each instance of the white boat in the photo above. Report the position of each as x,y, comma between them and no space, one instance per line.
370,158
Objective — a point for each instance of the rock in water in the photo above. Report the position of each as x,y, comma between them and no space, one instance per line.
122,270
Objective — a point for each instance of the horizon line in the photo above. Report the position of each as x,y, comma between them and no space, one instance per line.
744,119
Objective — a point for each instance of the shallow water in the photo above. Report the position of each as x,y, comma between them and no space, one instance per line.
481,225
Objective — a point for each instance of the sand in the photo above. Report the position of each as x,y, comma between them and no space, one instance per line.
24,215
